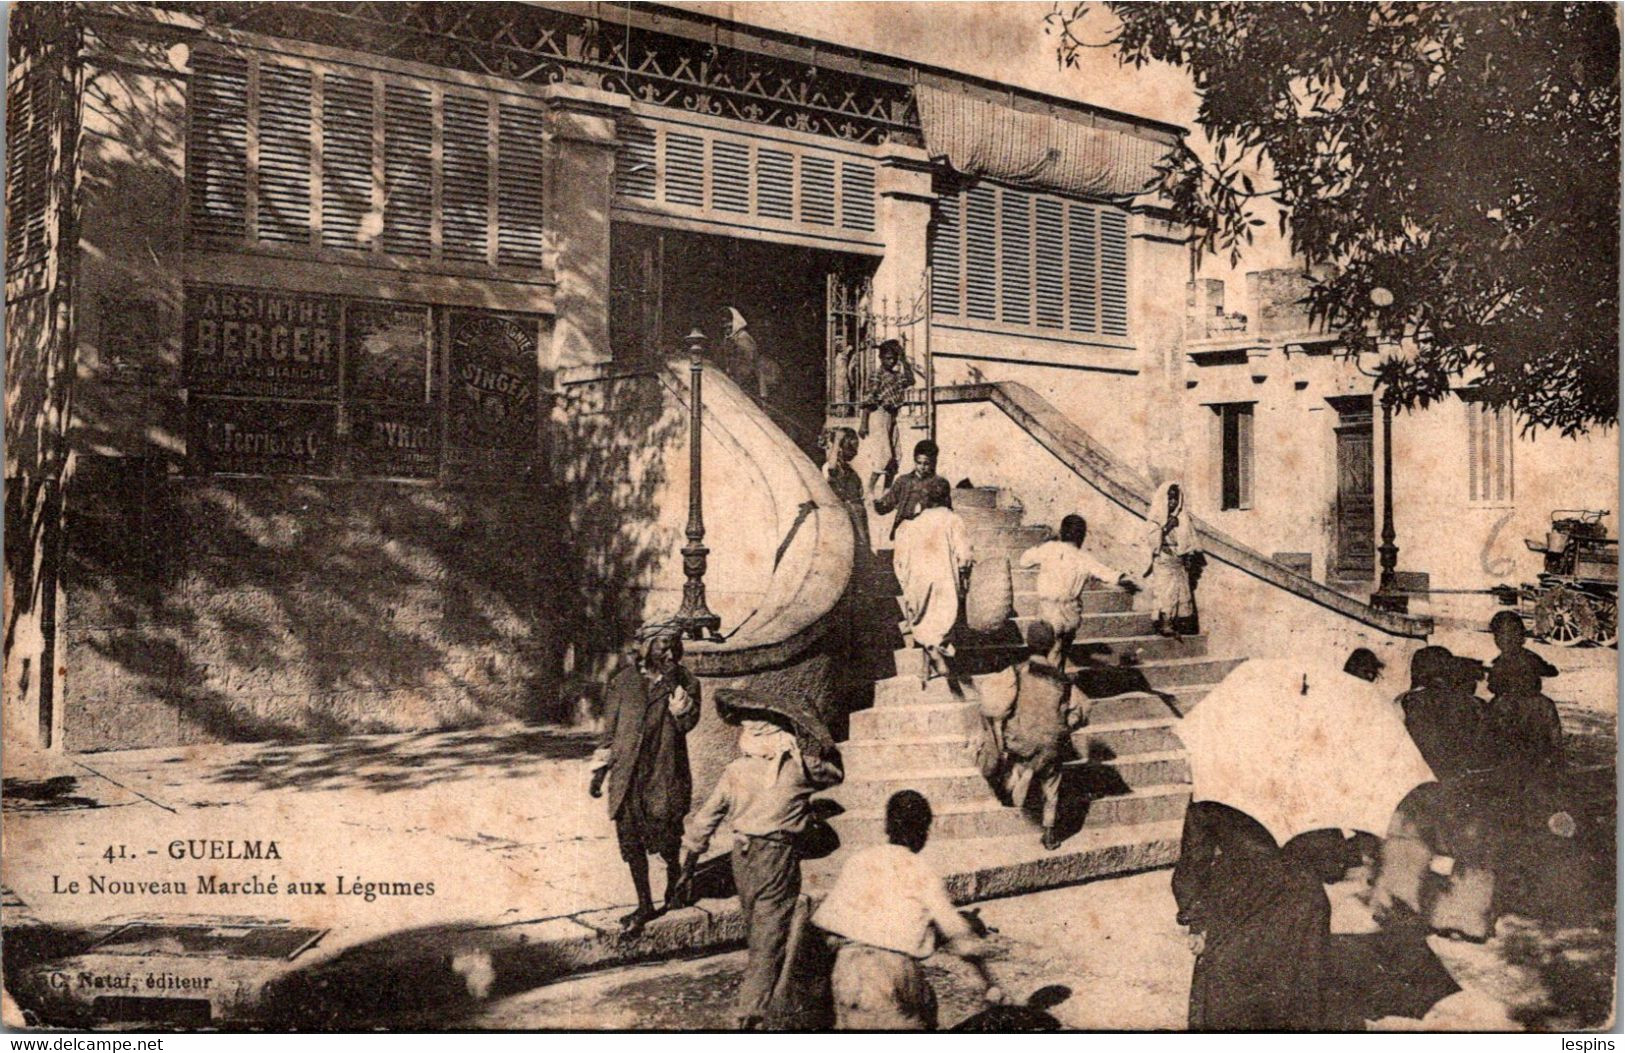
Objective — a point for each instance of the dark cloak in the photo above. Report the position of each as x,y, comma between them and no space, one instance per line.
1266,921
648,754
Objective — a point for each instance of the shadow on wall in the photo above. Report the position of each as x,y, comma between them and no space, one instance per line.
202,609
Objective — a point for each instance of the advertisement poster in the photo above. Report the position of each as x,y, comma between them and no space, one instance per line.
241,341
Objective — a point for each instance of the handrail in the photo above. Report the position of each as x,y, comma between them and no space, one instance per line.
815,561
1127,488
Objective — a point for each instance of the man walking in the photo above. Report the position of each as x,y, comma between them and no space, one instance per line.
765,793
651,705
907,494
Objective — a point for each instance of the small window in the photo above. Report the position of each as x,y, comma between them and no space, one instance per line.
1234,455
1489,454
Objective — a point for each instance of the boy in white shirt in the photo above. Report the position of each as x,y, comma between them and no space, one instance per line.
1064,572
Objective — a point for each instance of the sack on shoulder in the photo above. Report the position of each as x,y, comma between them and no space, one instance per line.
996,694
990,595
989,757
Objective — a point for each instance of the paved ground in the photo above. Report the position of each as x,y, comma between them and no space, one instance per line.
1103,956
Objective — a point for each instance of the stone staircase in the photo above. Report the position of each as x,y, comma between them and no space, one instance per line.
1125,791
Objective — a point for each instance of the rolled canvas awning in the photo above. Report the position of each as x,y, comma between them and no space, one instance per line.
983,138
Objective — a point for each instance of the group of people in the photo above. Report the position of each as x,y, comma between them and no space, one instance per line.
888,910
1490,836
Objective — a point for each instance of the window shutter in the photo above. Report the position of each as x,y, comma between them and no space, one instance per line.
1244,456
818,191
1083,261
857,196
775,171
635,163
28,166
980,258
284,162
519,186
1473,458
1016,256
685,169
217,156
408,181
346,159
945,256
1508,439
1049,269
730,176
465,182
1113,273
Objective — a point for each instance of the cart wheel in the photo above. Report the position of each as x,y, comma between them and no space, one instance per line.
1607,634
1565,617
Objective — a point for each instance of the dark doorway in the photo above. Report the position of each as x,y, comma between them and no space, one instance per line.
665,283
1356,518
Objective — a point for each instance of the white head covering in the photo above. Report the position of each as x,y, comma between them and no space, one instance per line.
1182,538
736,321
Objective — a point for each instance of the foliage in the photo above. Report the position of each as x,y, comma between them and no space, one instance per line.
1463,157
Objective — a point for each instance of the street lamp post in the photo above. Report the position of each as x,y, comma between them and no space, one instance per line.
1387,598
695,616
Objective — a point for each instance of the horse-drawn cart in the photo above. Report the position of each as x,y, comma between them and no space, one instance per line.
1576,597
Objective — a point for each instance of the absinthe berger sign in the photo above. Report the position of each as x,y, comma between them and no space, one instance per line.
260,342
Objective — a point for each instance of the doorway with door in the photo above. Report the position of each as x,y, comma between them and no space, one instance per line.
1354,547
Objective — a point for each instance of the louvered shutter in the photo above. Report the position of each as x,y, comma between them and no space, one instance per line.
1049,266
730,176
817,191
408,179
775,173
945,256
347,119
28,166
1508,439
1015,256
980,256
521,133
857,196
1244,456
1113,273
466,180
1474,458
283,208
635,173
1083,262
685,169
217,152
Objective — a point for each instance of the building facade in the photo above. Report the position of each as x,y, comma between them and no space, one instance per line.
313,306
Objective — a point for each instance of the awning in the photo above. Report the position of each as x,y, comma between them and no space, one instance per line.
982,138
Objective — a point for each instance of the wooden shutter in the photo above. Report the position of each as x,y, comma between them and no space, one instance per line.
29,105
1049,269
775,175
685,169
1082,259
466,179
980,255
1244,455
284,154
1113,273
408,174
945,256
635,173
730,176
520,135
818,191
857,196
1016,256
347,128
217,151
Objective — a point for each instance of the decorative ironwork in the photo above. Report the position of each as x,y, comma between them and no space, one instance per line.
540,45
857,323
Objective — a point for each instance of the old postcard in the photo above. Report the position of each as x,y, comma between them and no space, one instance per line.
811,516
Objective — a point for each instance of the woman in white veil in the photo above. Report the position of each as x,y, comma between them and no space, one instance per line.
1170,541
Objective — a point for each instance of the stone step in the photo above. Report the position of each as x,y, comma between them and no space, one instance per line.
978,819
982,868
1161,676
875,758
976,517
1095,601
904,691
976,497
942,786
942,713
1104,741
1004,538
983,657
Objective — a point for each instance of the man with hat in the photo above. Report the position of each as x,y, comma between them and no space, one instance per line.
785,756
651,704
